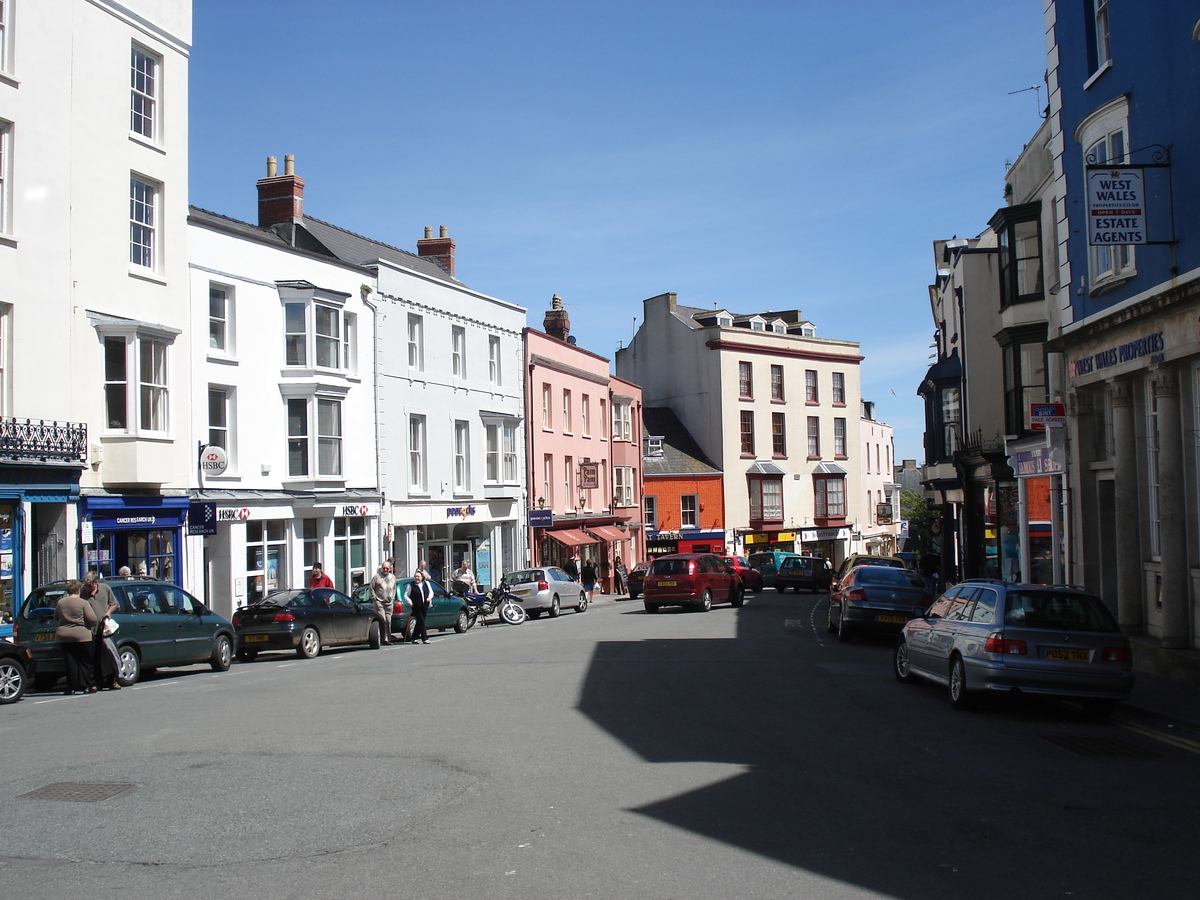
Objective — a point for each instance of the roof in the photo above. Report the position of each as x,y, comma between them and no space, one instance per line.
681,454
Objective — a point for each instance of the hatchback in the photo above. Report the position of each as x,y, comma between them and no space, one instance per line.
635,579
160,625
546,590
752,579
768,562
305,620
984,635
16,668
876,598
804,573
691,579
445,612
865,559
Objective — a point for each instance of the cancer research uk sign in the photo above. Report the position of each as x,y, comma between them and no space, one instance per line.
1116,206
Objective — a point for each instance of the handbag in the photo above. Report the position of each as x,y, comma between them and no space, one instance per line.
110,626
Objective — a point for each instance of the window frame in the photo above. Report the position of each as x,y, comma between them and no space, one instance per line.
623,485
416,342
418,466
1010,224
822,508
308,315
839,439
145,201
127,341
778,435
6,152
812,390
813,427
689,509
778,394
839,388
462,455
760,509
746,433
650,511
745,380
495,375
458,352
1018,392
221,433
145,91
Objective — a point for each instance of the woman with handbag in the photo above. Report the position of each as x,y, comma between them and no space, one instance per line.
76,624
105,665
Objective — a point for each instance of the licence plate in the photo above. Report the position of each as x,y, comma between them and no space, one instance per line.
1065,654
522,593
45,636
251,638
668,584
891,618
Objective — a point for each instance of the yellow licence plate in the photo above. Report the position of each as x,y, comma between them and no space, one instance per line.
891,618
44,636
1065,654
668,584
251,638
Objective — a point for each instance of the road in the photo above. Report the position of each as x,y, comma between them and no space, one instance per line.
611,754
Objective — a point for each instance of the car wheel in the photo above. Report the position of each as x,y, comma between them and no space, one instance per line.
12,680
651,607
843,630
131,666
554,607
463,622
738,597
900,664
375,636
960,697
247,655
1098,706
410,628
633,595
222,654
757,590
705,601
583,603
310,643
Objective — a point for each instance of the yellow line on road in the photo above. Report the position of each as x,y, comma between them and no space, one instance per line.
1180,742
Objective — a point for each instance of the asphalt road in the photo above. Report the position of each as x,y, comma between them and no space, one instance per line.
613,754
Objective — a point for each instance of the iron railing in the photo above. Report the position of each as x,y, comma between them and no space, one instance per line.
37,439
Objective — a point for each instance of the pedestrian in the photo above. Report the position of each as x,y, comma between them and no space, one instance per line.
423,568
124,571
76,623
383,598
929,571
464,574
420,597
587,574
318,578
105,664
618,575
571,566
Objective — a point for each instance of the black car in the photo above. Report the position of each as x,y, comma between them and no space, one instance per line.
804,573
305,620
17,668
876,598
635,579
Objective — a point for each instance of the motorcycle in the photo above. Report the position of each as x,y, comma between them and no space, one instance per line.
480,606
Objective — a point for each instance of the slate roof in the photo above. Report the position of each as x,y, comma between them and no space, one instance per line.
681,454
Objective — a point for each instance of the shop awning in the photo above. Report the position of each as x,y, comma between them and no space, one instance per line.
571,537
607,532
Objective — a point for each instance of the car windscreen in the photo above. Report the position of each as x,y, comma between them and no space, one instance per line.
796,565
885,576
1058,611
669,567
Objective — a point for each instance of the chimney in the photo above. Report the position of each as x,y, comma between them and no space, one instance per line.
557,323
439,249
280,198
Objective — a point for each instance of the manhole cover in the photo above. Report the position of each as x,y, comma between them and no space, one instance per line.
79,792
1099,746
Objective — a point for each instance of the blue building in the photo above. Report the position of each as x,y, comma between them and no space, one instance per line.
1124,114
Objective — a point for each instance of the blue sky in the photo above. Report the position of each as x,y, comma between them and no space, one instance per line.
782,155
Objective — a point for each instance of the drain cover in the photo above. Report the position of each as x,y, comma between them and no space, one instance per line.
1099,746
80,792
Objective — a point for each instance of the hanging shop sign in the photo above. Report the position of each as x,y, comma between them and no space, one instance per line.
589,476
1116,206
541,518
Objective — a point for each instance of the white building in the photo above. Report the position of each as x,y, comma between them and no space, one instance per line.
288,370
95,450
879,528
774,407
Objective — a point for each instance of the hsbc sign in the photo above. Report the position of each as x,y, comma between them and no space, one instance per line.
233,514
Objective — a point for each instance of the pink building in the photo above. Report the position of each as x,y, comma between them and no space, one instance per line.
584,429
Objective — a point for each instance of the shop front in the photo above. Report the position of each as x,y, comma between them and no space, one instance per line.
661,543
482,534
141,533
764,541
831,543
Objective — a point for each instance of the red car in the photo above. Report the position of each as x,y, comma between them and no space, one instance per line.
752,579
691,579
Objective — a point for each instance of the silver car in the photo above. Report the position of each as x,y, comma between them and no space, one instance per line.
547,589
984,635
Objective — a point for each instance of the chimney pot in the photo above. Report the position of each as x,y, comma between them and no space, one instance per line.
289,164
271,163
280,197
557,323
445,232
428,232
438,249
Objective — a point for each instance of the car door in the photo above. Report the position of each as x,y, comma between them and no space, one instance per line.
919,633
351,623
948,631
445,607
193,632
314,604
152,626
974,631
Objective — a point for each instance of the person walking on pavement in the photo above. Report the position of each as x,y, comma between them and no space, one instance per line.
318,578
587,574
76,623
420,597
383,598
103,601
571,566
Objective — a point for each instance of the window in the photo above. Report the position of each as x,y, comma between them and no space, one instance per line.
219,303
546,407
494,373
747,432
1024,374
510,453
462,456
766,499
5,34
839,388
745,381
329,437
320,416
416,453
623,485
320,332
777,383
622,421
585,414
1019,237
297,415
778,435
328,337
219,417
1109,261
566,411
143,114
501,461
143,215
266,558
689,511
603,416
811,394
568,486
951,420
148,357
310,539
814,437
458,351
829,494
1153,443
152,385
349,553
839,438
5,161
416,343
1100,51
650,512
491,434
548,480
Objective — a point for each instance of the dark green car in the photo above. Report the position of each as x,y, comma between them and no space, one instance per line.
447,611
161,625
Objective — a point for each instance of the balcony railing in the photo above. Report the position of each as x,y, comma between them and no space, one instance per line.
37,439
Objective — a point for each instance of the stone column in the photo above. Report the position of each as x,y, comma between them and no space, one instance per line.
1128,524
1172,513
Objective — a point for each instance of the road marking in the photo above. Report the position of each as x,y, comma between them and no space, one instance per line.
1170,739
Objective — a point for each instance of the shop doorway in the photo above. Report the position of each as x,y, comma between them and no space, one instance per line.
50,541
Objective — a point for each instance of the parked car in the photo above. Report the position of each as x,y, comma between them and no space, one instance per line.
865,559
985,635
768,562
447,611
878,599
804,573
752,579
160,625
17,669
635,579
691,579
546,590
304,620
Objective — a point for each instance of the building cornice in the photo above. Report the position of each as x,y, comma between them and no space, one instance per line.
787,352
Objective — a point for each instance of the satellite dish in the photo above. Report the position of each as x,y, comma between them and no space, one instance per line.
571,340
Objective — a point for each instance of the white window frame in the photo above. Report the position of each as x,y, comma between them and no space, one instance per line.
548,480
144,204
585,415
494,370
315,436
567,424
6,30
222,421
458,351
144,383
6,140
650,511
547,411
319,334
145,88
418,470
689,511
416,342
462,455
220,318
623,485
491,469
569,480
622,420
1104,137
1102,33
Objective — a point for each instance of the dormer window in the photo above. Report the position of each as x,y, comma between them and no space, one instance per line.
654,446
725,321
